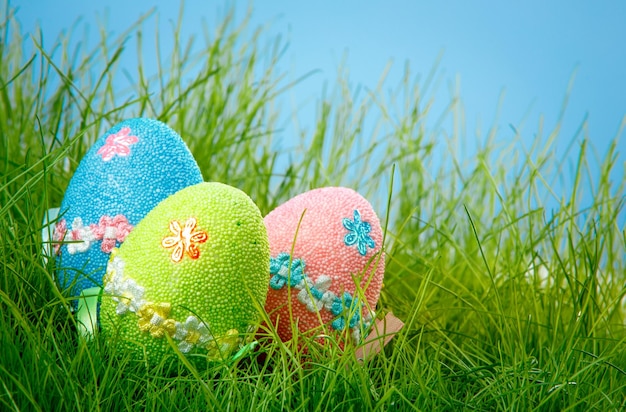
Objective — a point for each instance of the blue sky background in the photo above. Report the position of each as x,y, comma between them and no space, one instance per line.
527,52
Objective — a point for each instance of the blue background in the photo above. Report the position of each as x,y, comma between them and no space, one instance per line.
512,63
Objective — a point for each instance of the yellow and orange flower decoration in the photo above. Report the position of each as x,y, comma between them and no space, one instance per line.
185,239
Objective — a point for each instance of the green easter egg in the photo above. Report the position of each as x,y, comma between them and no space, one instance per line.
190,278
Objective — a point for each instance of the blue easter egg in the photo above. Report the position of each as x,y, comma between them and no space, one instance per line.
127,172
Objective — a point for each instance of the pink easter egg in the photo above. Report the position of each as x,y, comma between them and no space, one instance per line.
327,263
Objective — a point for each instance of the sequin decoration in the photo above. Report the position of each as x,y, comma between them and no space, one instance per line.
358,233
155,318
117,144
80,237
283,269
316,296
185,240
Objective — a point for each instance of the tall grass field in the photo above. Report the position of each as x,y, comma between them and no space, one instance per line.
512,291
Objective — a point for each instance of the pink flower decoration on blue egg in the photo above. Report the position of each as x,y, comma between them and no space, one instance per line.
117,144
126,173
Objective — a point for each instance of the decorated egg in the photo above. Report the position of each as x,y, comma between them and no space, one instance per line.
326,265
127,172
191,276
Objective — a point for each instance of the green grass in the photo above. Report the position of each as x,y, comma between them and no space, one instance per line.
508,304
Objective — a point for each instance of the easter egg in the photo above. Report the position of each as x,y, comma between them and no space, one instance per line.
126,172
191,276
327,264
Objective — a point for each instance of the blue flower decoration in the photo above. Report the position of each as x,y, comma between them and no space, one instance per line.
282,273
358,233
338,324
344,307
